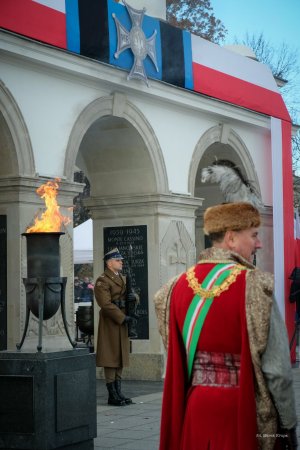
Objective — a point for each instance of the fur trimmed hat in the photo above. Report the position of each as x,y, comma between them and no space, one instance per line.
231,216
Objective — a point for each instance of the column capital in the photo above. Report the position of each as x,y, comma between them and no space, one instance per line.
143,205
18,189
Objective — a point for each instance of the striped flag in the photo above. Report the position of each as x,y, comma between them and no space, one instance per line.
223,74
87,27
43,20
283,216
91,31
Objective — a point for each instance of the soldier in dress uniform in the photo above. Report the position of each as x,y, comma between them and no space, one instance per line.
113,342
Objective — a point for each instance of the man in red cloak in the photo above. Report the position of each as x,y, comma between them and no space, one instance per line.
228,382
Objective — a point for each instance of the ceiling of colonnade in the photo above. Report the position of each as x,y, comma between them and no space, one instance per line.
210,191
115,159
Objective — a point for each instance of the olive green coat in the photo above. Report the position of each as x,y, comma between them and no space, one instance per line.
113,342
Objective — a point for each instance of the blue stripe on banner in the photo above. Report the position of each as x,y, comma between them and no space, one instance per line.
125,60
149,26
72,24
188,61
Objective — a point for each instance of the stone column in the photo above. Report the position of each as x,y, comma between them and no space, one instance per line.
20,203
170,222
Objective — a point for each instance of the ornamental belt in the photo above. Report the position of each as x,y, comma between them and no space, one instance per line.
216,369
216,281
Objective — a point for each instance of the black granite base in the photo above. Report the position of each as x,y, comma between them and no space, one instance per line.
48,400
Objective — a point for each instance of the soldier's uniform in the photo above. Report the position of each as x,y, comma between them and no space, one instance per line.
113,342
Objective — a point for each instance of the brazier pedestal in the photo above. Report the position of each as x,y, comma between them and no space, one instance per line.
47,400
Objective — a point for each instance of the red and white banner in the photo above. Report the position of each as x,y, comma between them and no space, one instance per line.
283,217
44,20
233,78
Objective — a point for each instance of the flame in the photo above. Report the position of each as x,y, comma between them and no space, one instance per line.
51,220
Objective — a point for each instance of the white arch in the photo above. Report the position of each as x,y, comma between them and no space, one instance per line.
117,105
21,148
222,134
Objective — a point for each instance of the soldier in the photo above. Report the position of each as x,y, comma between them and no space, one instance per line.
113,341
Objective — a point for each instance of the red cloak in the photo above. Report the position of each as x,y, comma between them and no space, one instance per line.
209,417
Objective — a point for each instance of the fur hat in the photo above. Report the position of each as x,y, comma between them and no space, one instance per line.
231,216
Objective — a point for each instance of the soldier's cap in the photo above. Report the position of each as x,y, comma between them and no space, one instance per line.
231,216
113,254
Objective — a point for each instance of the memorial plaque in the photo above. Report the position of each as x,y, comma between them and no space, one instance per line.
3,283
123,237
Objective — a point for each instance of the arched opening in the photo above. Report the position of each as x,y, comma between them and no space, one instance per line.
115,147
16,162
15,146
115,159
105,127
218,143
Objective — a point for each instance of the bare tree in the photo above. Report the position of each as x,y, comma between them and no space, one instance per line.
196,16
283,61
296,152
296,169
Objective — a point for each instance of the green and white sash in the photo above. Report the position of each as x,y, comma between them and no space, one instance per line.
199,308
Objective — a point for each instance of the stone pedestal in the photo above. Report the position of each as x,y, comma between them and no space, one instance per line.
48,400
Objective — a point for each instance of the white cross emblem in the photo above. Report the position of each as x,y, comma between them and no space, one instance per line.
135,39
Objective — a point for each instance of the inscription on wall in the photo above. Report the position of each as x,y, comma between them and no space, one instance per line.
3,283
122,237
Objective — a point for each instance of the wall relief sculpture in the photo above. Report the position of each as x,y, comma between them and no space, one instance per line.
177,251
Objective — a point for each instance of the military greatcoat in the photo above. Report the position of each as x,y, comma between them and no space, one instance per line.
113,342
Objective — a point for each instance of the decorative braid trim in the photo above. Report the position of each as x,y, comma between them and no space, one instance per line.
217,290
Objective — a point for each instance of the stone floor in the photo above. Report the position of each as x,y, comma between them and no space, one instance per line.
136,427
